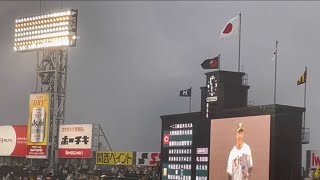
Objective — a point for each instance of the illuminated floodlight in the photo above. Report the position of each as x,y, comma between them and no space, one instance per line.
53,30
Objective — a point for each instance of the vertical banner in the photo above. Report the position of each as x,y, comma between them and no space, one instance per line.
13,140
75,141
38,126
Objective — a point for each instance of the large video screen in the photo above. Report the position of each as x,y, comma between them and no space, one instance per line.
240,148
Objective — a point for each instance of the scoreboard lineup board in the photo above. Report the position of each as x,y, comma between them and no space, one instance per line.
185,149
177,140
202,163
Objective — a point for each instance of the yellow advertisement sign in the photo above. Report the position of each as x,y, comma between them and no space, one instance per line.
38,125
114,158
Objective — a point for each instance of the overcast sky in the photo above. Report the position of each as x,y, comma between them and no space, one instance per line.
134,57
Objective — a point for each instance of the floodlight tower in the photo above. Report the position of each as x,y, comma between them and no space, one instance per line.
50,35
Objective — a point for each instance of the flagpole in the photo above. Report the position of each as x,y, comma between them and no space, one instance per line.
239,41
190,99
275,74
219,62
305,98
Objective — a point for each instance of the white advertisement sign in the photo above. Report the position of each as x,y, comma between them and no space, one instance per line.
147,158
7,140
75,141
13,140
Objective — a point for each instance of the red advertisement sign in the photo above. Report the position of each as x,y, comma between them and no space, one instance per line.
13,140
74,153
37,151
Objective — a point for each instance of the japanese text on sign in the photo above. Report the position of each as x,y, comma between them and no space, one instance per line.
72,129
75,136
65,140
113,158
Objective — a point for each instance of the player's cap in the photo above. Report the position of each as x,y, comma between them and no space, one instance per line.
240,128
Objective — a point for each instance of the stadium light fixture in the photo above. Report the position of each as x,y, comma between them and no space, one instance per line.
51,30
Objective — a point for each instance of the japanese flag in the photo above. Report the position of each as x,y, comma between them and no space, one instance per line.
231,28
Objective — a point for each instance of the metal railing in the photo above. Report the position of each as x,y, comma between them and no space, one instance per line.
305,135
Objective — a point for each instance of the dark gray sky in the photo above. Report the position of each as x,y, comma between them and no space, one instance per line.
134,57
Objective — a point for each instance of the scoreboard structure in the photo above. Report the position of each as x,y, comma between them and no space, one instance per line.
182,146
196,146
223,90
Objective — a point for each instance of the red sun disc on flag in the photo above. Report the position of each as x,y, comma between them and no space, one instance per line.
228,29
213,63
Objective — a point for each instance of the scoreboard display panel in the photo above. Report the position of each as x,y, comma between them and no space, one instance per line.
185,148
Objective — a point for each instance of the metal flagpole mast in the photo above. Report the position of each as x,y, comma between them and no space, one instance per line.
239,41
305,97
219,62
275,74
190,99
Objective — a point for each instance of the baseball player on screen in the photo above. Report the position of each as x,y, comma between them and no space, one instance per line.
240,164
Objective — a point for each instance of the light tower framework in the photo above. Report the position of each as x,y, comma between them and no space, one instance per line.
49,35
52,78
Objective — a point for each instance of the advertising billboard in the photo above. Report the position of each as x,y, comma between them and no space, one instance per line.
75,141
240,148
313,159
114,158
38,126
147,158
13,140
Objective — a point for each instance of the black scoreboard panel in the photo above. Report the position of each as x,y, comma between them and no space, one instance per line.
177,150
223,90
202,144
185,147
